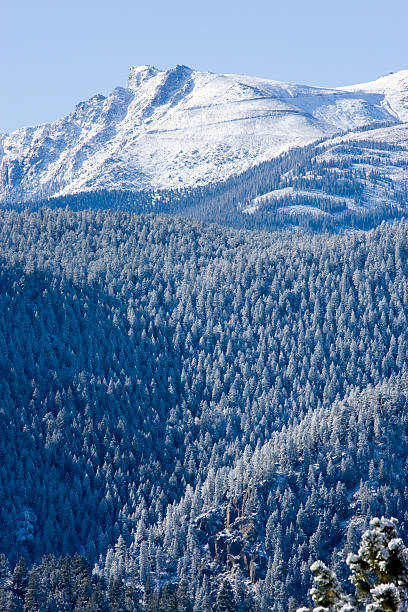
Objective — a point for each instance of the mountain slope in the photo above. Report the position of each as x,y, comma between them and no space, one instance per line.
353,175
154,369
391,88
182,127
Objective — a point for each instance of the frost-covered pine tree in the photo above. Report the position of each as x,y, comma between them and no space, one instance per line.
5,584
382,559
379,573
326,592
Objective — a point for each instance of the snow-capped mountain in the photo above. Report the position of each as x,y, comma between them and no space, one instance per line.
182,127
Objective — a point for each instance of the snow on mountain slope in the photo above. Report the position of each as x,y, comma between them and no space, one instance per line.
392,88
182,127
355,172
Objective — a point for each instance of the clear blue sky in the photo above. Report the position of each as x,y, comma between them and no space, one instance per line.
55,53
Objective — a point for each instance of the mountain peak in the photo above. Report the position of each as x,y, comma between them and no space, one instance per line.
181,69
138,74
182,127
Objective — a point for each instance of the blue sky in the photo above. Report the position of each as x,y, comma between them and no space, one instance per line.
55,53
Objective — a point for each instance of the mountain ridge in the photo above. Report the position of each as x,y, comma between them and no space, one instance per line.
184,128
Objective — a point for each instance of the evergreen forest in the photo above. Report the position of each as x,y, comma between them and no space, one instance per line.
192,414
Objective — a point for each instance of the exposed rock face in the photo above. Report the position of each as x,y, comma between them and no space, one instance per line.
233,535
182,127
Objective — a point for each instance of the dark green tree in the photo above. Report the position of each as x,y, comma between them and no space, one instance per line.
184,603
225,598
117,595
20,583
34,598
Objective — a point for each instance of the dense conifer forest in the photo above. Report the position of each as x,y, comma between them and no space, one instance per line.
192,414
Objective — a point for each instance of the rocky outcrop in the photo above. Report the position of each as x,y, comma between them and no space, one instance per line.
233,535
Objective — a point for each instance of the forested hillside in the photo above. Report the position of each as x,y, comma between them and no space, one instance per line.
355,180
180,400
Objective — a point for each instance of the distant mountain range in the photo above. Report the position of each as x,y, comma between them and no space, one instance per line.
182,128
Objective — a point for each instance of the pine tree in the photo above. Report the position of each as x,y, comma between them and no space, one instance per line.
240,592
326,591
381,559
379,572
5,584
225,598
33,599
117,595
184,603
20,582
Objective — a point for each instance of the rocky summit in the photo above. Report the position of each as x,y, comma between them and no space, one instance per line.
184,128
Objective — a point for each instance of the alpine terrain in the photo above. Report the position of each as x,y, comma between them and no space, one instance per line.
204,349
184,128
